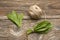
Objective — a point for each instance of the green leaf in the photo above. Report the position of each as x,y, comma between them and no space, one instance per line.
15,18
42,27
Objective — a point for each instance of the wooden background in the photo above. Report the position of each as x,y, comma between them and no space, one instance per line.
52,8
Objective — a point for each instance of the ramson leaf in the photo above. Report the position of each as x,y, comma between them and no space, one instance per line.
16,18
41,27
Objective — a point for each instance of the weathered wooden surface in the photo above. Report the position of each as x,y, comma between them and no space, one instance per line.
52,8
53,35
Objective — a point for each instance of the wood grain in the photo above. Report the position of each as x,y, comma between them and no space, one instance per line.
52,8
21,5
4,29
28,17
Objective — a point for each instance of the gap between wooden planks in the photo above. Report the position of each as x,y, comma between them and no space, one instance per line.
42,17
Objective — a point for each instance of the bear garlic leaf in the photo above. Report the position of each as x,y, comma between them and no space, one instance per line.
15,18
41,27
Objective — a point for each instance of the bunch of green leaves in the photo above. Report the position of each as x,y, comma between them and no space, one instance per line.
41,27
15,18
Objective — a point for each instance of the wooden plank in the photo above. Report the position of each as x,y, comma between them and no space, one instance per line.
3,38
22,0
42,17
28,24
22,6
51,7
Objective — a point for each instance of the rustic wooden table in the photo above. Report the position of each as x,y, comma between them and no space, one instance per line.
52,8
